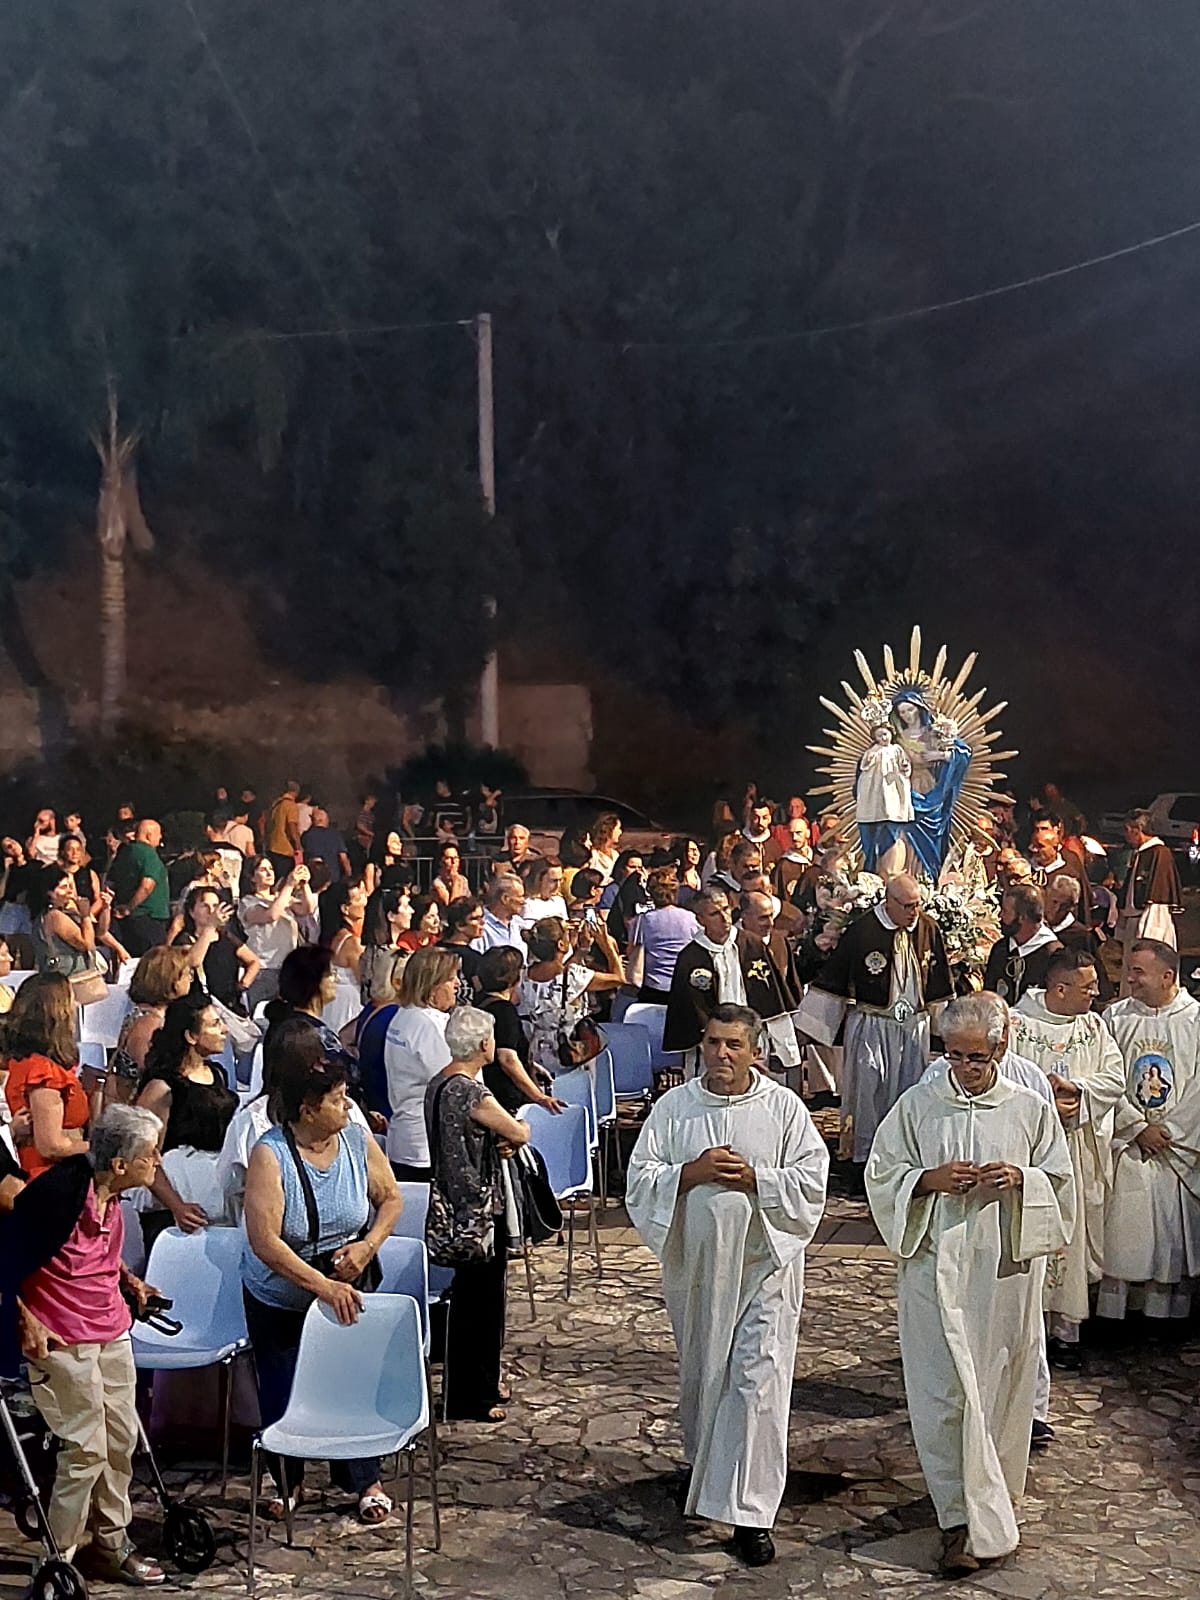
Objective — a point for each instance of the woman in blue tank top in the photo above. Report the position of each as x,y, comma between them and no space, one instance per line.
284,1268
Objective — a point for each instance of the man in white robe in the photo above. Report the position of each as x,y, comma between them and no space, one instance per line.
1057,1028
726,1185
1152,1224
970,1184
977,1025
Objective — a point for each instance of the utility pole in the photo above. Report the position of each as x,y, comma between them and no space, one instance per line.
489,682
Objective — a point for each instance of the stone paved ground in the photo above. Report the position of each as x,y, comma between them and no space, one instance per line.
572,1496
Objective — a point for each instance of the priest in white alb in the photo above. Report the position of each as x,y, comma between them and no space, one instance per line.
970,1183
726,1185
1057,1028
1152,1225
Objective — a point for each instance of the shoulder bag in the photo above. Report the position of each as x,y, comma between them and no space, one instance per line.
371,1275
454,1236
541,1214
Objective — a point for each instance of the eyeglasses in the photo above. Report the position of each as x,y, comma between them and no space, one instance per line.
958,1059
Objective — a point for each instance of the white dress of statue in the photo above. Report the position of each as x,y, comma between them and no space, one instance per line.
884,794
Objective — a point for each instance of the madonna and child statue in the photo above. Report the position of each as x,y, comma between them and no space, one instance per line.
911,762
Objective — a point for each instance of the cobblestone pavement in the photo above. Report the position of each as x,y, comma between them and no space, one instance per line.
573,1495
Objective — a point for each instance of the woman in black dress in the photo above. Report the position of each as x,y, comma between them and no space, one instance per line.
509,1076
188,1090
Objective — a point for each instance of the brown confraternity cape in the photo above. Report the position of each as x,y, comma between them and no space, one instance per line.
860,966
694,995
1154,878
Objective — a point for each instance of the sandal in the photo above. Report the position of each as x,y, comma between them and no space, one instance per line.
273,1509
504,1393
374,1508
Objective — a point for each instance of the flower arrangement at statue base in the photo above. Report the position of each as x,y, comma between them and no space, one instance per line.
968,927
840,900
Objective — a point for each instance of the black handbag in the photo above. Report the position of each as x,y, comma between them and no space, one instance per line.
541,1214
454,1236
371,1275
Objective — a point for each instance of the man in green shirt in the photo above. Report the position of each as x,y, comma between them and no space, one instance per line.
138,879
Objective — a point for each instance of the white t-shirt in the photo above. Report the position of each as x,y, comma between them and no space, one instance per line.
270,941
44,848
414,1052
535,910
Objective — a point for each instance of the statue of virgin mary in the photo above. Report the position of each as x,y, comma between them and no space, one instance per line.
939,759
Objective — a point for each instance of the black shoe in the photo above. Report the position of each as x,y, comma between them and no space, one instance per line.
1066,1357
1041,1435
957,1560
755,1546
681,1491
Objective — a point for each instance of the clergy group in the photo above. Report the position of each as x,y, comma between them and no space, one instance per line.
1041,1169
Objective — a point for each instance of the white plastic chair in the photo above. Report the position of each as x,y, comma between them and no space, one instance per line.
358,1391
405,1267
256,1075
201,1273
629,1046
93,1054
654,1020
562,1142
100,1023
414,1206
606,1116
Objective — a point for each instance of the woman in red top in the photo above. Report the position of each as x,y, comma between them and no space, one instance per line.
43,1076
426,924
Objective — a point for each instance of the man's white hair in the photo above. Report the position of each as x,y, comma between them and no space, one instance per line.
1067,887
975,1013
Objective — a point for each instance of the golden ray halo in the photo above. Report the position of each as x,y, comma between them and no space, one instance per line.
946,697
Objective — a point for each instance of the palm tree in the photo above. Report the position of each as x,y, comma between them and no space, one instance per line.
120,522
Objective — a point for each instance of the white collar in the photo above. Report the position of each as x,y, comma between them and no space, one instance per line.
892,927
711,946
1151,841
756,838
1044,935
1065,923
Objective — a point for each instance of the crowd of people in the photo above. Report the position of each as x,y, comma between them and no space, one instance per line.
314,1017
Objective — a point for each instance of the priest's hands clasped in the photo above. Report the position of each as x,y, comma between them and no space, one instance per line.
1153,1139
721,1164
959,1177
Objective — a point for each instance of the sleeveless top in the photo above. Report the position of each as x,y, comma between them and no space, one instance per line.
200,1112
343,1210
56,955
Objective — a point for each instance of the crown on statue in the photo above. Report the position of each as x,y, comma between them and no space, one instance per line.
875,712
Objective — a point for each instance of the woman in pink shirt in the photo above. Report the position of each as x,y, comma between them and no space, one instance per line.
74,1323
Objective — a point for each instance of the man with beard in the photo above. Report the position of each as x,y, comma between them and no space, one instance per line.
1019,958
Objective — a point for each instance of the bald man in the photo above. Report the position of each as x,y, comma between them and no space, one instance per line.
886,972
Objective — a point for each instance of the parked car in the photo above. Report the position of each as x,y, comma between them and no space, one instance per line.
547,813
1174,817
